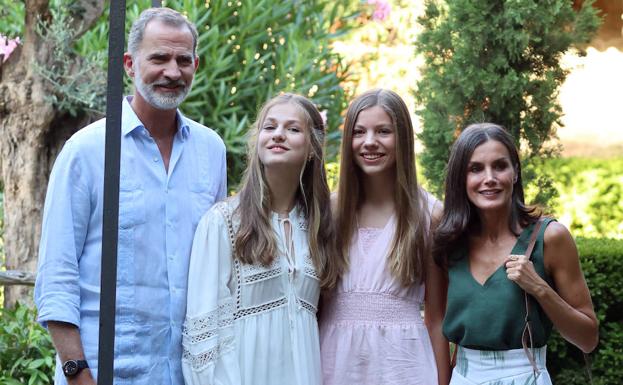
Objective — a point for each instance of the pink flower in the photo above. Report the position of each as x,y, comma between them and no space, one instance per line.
382,9
7,46
323,114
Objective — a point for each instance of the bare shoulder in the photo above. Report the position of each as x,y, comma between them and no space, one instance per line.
559,248
434,206
557,234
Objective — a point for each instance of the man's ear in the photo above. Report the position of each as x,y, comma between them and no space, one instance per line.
196,62
128,64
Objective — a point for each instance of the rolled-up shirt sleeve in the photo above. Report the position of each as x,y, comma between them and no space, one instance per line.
66,220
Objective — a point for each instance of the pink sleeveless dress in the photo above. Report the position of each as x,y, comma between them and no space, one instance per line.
371,328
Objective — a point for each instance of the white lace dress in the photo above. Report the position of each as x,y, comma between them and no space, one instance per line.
250,324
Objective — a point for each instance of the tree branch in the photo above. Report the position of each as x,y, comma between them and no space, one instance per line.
16,277
85,13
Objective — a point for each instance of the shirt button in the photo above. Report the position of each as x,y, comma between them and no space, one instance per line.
155,158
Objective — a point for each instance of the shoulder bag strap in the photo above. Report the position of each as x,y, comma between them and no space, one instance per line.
526,335
527,332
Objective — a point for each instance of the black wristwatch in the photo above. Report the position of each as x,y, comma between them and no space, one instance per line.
73,367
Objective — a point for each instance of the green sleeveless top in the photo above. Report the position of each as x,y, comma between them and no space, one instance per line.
491,316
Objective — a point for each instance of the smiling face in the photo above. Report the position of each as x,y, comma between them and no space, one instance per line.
283,137
164,66
490,177
374,142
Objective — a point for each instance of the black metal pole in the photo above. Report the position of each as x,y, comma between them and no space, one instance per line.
108,291
156,3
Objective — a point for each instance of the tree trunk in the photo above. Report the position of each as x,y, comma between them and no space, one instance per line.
32,133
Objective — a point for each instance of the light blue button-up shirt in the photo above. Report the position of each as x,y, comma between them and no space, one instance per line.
158,213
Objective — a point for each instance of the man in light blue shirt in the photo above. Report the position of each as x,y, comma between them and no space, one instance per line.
172,171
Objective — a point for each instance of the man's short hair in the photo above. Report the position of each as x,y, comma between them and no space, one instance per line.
165,15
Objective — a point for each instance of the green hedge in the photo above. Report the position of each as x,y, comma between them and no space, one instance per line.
602,263
590,192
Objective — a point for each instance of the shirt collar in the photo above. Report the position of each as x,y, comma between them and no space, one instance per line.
131,122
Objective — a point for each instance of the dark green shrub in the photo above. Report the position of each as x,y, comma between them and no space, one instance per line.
602,263
496,61
26,351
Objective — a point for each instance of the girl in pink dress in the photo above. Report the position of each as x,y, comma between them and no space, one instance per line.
371,328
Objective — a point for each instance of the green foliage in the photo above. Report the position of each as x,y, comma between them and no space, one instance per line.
77,76
79,82
26,351
11,13
498,62
602,263
591,193
333,173
252,50
249,50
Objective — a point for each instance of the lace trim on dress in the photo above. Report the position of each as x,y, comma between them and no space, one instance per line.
254,273
223,207
262,275
249,311
202,360
310,269
307,306
201,328
301,221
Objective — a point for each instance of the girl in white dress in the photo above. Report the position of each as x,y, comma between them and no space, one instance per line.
254,278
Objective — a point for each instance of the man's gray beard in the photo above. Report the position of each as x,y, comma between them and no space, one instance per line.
155,99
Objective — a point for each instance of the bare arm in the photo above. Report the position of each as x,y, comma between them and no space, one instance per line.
569,307
434,311
68,344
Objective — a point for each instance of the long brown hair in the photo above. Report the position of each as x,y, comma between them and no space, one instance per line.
460,217
255,240
411,244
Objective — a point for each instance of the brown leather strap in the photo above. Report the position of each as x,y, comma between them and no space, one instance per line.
535,233
526,335
453,358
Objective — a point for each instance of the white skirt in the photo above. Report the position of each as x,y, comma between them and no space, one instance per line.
505,367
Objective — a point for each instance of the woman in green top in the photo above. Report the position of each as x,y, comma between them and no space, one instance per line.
480,240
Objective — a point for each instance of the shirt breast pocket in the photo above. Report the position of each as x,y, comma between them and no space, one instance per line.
203,196
132,210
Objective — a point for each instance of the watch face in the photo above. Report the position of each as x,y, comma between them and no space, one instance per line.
70,368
